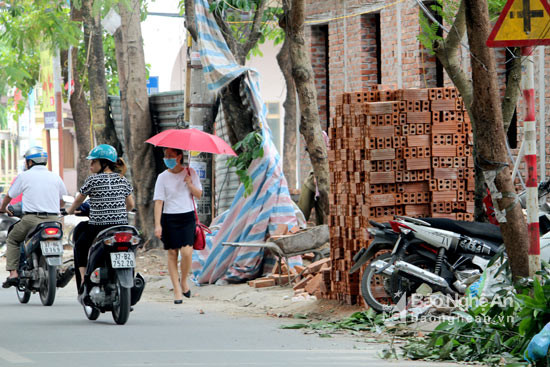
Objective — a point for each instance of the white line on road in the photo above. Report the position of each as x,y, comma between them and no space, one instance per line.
261,363
341,351
12,357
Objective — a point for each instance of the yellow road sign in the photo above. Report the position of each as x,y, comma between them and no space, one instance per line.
522,23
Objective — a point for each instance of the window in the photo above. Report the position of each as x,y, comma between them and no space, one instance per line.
274,122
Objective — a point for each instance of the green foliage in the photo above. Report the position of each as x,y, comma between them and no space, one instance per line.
495,7
26,27
239,14
428,34
492,331
249,149
111,70
446,10
367,320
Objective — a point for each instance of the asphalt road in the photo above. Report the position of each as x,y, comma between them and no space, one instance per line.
162,334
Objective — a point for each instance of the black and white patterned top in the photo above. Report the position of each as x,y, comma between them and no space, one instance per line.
107,192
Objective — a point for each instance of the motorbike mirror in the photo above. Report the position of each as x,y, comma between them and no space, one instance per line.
68,199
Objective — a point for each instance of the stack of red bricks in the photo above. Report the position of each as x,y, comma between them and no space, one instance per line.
394,152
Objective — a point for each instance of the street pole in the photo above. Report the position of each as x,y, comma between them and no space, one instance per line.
58,107
530,137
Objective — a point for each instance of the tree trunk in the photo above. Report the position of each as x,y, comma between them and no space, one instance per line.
80,110
447,53
302,71
238,116
489,129
136,116
289,156
93,36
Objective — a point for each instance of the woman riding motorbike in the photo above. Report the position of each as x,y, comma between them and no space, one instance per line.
110,200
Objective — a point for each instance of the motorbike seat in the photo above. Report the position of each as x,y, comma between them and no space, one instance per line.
41,226
486,231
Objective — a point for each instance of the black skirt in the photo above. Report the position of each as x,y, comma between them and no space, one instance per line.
178,230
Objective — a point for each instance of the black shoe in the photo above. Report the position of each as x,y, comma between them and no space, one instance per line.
178,301
10,282
187,294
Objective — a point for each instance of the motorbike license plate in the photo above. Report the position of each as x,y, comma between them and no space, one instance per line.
51,248
121,260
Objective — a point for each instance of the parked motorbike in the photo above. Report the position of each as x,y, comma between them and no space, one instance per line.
375,287
40,261
442,253
109,281
381,283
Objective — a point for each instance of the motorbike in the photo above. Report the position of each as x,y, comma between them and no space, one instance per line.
385,280
109,282
41,260
5,223
375,287
442,253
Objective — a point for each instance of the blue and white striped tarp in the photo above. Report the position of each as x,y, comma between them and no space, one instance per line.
250,218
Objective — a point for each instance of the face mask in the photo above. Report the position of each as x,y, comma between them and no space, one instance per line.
170,162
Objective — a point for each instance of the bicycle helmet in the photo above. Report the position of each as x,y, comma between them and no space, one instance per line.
103,151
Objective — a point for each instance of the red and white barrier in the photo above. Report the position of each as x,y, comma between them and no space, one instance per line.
530,136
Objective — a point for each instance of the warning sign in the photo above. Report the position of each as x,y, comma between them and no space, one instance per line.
522,23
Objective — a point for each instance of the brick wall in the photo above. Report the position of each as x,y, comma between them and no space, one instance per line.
404,63
353,53
319,56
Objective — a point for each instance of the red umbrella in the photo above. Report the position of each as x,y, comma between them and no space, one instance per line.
191,139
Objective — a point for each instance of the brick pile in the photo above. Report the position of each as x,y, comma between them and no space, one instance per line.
394,152
310,280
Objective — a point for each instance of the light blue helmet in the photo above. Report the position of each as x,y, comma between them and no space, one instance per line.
36,154
103,151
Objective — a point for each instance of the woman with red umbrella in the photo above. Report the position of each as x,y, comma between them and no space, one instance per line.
175,191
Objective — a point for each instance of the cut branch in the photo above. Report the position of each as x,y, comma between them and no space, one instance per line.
227,33
190,18
513,89
255,31
447,53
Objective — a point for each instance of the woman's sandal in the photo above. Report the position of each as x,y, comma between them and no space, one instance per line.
178,301
187,294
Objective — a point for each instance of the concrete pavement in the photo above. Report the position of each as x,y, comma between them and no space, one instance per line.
164,334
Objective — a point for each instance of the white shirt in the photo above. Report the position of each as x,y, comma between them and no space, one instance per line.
42,190
174,192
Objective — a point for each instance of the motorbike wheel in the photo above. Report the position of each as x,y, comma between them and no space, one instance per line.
401,285
374,287
91,313
121,306
48,284
23,295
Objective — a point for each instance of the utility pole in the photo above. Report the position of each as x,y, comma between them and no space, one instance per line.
58,108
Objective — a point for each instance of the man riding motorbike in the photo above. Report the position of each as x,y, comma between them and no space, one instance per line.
42,199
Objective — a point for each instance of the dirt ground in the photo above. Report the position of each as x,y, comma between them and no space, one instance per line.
237,299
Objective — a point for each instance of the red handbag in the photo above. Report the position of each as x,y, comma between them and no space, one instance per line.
200,237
